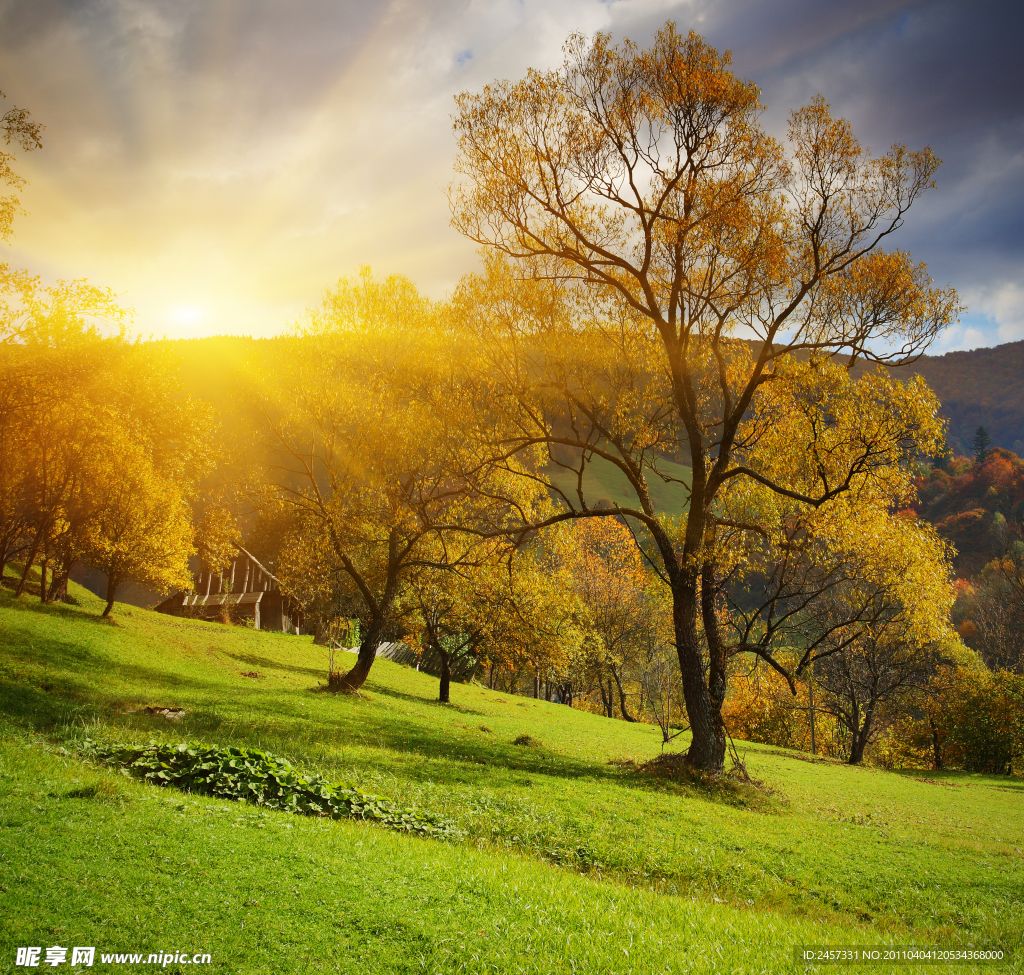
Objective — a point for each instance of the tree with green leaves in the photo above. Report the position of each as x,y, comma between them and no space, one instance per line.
981,445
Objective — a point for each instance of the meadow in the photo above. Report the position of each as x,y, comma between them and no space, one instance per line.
604,481
573,856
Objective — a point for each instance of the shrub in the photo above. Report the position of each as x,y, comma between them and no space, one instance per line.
981,719
247,775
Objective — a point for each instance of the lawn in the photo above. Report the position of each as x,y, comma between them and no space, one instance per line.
602,480
572,859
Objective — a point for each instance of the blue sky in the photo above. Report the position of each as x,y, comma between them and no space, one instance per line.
218,162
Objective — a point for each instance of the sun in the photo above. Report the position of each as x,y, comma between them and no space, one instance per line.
187,320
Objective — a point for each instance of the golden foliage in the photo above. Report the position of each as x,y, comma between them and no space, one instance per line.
99,448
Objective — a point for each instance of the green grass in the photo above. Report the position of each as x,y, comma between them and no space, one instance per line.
572,859
602,479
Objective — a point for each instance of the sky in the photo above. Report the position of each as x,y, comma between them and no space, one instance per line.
218,163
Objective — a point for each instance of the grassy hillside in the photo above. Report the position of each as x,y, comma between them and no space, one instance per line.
573,859
603,481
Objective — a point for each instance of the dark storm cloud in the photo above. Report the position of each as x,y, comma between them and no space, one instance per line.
945,74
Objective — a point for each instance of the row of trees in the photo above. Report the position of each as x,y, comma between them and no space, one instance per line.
662,279
98,454
943,714
405,507
99,451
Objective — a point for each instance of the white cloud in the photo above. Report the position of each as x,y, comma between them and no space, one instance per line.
1004,304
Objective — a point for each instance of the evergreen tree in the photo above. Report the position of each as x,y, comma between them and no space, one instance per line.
981,445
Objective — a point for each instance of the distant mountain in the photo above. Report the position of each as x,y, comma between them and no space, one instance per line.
984,387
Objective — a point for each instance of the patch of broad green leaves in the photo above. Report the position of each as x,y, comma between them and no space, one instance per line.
249,775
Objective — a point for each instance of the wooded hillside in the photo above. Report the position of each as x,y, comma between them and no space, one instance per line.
983,387
969,502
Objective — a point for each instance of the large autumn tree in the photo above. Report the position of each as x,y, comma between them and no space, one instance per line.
699,253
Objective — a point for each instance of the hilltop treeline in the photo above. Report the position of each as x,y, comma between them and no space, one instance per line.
983,387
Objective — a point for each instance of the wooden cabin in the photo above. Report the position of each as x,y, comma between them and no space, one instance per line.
244,591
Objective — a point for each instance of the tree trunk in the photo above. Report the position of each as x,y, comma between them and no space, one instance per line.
112,585
351,682
59,586
604,697
936,747
810,691
444,693
860,738
856,751
626,716
28,565
356,677
42,575
707,745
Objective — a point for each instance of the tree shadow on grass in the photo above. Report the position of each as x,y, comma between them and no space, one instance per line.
77,677
477,756
470,761
421,701
42,707
958,779
72,676
254,660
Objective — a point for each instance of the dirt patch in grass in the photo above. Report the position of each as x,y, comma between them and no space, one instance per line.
170,713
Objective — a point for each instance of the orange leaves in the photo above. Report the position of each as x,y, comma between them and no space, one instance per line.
825,145
601,554
884,296
616,160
